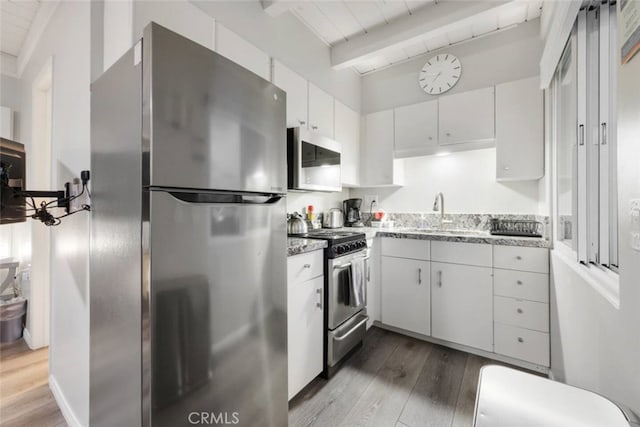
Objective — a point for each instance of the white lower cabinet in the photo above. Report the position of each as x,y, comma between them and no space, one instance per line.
462,304
406,294
487,297
305,327
524,344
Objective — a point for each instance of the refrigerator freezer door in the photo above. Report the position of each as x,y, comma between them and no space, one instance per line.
217,309
210,123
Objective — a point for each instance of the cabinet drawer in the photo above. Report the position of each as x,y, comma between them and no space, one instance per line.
303,267
521,258
406,248
521,284
523,344
461,253
521,313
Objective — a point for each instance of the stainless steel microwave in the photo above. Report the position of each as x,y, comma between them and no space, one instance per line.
313,161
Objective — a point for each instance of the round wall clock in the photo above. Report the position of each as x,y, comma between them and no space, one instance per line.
440,74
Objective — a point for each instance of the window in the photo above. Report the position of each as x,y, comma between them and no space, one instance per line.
583,114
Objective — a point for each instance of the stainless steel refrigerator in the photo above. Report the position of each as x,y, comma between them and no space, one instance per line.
188,240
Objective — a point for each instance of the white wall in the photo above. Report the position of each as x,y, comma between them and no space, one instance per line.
67,39
298,201
467,180
510,55
594,344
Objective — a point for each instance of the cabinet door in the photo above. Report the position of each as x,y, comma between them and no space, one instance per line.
519,130
462,309
320,111
466,117
405,294
347,133
416,129
378,164
240,51
304,332
297,96
6,123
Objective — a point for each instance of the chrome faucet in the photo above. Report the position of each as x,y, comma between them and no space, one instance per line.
438,205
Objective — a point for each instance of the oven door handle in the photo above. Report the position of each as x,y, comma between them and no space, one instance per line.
343,337
342,266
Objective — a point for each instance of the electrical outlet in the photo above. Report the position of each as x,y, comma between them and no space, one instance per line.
367,201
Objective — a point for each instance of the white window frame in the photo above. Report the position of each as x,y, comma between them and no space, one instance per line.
594,40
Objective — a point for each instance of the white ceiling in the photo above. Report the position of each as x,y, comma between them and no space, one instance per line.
16,17
339,22
336,21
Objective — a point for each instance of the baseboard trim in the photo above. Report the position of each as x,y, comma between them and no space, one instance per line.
27,338
67,412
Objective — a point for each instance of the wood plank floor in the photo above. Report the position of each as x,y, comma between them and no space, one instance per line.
25,398
393,380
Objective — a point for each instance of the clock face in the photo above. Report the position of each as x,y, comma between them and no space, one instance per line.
440,74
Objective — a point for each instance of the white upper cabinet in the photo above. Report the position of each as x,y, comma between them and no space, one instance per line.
320,111
240,51
416,129
467,117
6,123
297,96
379,168
519,130
347,133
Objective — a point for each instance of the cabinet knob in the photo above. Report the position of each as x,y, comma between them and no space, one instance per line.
430,138
519,258
448,134
520,339
519,311
302,122
506,168
519,282
307,266
314,127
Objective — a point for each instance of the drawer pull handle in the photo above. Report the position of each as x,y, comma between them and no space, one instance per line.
439,279
519,282
519,311
419,276
520,339
319,304
519,258
307,266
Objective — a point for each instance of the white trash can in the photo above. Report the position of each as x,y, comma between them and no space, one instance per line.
12,318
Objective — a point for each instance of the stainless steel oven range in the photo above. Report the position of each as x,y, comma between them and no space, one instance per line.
345,317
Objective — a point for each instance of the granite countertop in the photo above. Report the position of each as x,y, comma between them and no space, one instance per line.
297,246
465,236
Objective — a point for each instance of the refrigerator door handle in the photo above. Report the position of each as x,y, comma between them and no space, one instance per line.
226,198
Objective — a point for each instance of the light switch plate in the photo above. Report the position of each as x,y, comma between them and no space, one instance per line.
634,229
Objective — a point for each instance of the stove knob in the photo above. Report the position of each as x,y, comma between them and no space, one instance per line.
338,250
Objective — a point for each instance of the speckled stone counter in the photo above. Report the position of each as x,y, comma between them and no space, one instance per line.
466,237
297,246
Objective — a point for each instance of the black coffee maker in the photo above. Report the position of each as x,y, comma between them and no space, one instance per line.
351,210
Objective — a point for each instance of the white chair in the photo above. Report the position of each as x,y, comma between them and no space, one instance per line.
511,398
